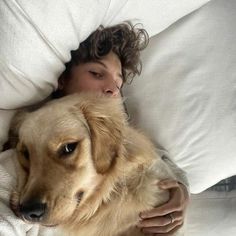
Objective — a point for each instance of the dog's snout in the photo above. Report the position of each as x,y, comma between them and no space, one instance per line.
33,211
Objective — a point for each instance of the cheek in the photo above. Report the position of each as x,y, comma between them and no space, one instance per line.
90,85
85,83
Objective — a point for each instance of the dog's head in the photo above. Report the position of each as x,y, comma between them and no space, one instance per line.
65,149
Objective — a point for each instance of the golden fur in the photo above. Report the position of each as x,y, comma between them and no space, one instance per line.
100,187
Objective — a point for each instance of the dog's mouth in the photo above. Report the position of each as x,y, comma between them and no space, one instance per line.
50,225
37,222
34,218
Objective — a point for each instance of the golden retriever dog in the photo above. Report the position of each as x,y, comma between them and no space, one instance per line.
84,169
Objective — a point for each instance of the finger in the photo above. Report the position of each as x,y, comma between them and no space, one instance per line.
155,212
177,216
171,233
168,229
162,210
168,184
161,221
153,222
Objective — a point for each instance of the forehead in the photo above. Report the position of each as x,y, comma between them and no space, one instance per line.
52,125
110,62
112,59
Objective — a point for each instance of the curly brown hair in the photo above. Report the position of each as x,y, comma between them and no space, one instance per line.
125,40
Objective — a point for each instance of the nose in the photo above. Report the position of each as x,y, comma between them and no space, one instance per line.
112,93
33,211
111,89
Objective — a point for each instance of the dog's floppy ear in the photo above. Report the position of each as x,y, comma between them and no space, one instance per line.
13,134
106,119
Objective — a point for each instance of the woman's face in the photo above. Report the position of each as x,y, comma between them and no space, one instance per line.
103,76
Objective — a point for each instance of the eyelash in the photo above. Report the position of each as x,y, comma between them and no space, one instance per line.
118,87
96,74
100,75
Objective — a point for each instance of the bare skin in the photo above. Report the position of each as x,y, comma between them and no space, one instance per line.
157,221
105,76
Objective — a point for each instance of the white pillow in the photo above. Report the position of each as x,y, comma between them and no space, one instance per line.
185,98
37,37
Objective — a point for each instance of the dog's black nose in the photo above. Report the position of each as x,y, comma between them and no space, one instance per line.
33,211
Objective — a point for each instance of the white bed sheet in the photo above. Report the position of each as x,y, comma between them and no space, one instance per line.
212,213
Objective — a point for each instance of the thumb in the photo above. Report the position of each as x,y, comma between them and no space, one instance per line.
168,184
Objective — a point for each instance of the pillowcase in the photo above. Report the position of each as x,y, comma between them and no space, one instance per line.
185,97
36,39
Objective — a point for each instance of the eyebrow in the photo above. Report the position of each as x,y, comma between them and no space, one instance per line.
104,65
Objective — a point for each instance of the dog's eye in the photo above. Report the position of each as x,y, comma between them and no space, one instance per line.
68,148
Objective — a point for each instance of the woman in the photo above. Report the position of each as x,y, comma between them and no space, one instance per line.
103,62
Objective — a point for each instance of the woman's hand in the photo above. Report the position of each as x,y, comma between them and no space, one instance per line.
166,219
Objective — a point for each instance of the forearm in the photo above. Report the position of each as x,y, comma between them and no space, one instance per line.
180,175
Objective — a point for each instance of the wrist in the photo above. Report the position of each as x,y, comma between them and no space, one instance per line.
185,190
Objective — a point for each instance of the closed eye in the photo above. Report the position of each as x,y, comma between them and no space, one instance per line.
95,74
67,149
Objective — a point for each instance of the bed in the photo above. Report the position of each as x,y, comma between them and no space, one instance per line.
184,99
